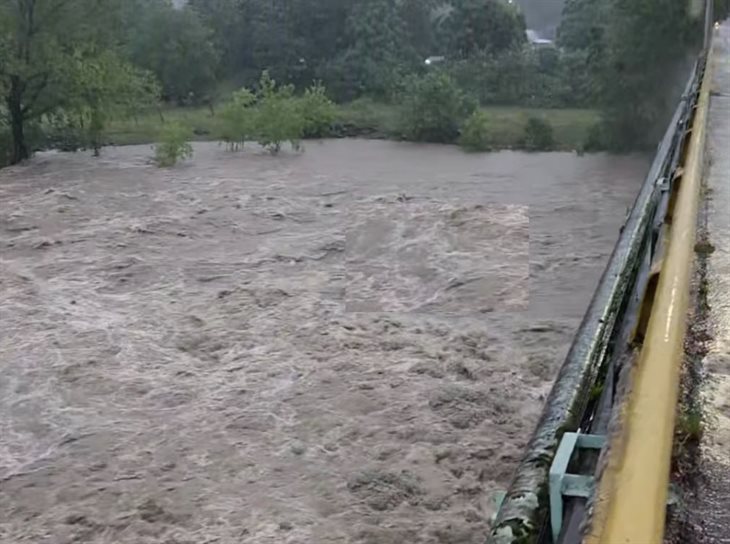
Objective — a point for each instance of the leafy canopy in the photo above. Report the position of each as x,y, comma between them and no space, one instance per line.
55,55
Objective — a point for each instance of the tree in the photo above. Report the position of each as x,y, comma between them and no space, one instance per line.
230,23
583,24
40,43
319,31
636,56
647,46
177,47
478,26
378,53
101,86
420,21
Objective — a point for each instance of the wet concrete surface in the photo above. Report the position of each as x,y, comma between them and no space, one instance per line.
351,345
710,506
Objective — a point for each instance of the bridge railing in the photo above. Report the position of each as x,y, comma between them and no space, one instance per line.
629,505
602,343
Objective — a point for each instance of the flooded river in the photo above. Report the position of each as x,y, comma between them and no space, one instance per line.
351,345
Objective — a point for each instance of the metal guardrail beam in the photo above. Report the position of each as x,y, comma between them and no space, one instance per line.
630,504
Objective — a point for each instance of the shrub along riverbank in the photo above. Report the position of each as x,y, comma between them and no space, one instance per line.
434,62
368,119
432,109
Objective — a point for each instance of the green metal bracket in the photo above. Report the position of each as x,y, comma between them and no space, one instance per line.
498,500
574,485
569,485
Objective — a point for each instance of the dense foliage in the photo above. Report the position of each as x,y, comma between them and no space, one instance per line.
318,111
355,48
475,27
434,108
277,118
274,115
176,46
526,76
68,67
58,58
638,54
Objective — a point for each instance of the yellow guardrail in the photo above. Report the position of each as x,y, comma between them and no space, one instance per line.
631,496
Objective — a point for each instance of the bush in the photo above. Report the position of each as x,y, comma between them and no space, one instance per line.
238,119
318,112
278,116
173,145
274,115
538,135
434,108
475,134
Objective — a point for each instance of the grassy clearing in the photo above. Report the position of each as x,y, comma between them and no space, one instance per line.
570,126
365,118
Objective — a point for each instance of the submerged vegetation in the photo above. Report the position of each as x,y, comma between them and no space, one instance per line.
73,72
173,146
362,118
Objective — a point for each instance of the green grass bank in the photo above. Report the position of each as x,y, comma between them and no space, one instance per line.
369,119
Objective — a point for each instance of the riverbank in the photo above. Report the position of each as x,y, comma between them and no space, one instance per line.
365,118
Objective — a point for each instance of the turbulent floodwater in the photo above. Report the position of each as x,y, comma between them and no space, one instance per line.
346,346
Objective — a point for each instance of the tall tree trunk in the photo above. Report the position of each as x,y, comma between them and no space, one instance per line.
17,120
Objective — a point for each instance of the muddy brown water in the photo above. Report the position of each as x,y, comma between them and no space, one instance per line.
351,345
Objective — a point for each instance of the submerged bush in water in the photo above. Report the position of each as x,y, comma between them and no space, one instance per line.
278,116
173,146
238,119
475,133
318,112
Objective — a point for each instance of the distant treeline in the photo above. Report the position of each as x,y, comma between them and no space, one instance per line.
68,66
354,47
627,57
